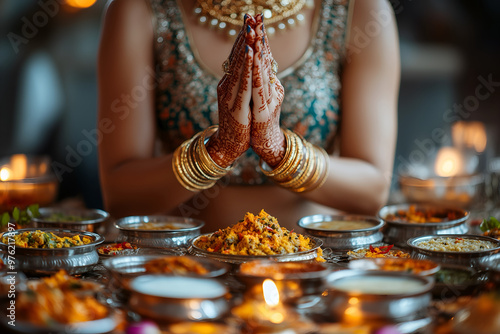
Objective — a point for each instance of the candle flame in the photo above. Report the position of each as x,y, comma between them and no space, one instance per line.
81,3
470,135
271,293
5,174
449,162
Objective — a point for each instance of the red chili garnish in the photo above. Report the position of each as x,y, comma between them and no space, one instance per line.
372,249
240,236
269,229
385,249
217,247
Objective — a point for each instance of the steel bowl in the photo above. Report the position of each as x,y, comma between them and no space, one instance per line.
453,281
89,220
415,266
398,232
471,259
294,280
238,259
353,305
206,302
46,261
466,191
189,228
343,240
125,268
99,326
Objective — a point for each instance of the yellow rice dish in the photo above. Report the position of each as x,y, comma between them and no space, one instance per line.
39,239
259,235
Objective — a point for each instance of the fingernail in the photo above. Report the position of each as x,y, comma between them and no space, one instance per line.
248,29
262,28
245,17
246,48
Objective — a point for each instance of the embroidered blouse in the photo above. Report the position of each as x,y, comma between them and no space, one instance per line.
186,98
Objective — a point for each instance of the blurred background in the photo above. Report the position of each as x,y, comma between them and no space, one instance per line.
449,96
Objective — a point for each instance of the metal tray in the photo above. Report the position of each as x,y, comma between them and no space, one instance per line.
46,261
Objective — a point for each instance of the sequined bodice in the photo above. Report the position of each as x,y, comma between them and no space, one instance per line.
186,100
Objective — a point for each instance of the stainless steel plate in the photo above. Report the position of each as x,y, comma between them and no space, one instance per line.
342,240
46,261
236,259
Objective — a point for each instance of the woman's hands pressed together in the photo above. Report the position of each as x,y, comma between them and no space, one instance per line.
249,99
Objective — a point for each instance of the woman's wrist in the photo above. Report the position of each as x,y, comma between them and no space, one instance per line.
270,148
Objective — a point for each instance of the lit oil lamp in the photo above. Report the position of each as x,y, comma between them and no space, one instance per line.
265,313
26,180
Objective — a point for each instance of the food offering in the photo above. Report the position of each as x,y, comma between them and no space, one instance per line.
58,300
45,251
422,215
256,235
467,250
456,244
46,239
158,231
386,251
406,221
90,220
120,248
176,265
125,268
490,227
343,232
407,265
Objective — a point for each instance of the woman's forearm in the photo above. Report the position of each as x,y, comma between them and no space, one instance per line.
354,186
143,186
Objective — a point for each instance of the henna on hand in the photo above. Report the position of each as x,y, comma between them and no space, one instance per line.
266,137
234,94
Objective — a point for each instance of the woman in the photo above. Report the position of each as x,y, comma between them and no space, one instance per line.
159,71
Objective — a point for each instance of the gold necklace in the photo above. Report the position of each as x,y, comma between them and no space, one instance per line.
227,15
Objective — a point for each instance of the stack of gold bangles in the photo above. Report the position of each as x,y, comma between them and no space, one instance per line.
193,167
304,166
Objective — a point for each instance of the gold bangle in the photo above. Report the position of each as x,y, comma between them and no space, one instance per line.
303,168
192,165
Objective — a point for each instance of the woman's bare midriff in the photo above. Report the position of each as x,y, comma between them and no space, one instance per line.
224,206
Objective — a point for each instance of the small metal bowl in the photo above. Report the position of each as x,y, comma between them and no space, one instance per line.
174,298
125,268
414,266
352,304
398,232
466,191
294,280
453,281
476,258
89,220
188,228
238,259
46,261
343,240
100,326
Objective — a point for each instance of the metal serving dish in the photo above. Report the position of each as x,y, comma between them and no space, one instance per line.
100,326
89,220
453,281
46,261
343,240
125,268
188,228
174,299
294,280
398,232
237,259
415,266
476,258
353,305
465,191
